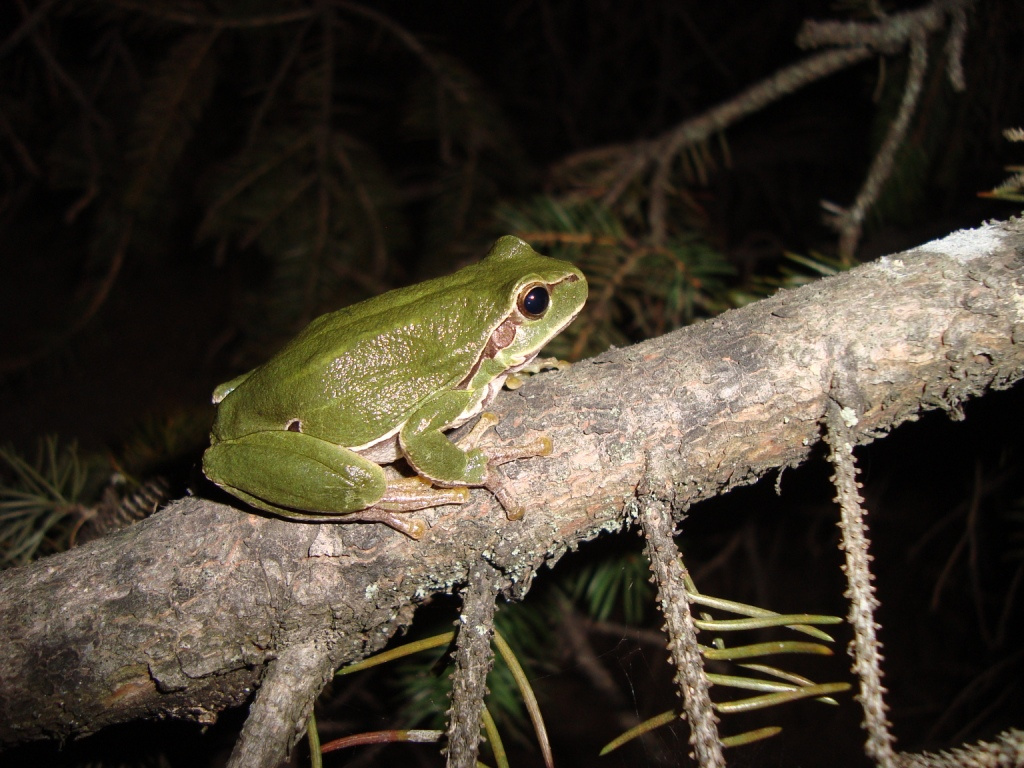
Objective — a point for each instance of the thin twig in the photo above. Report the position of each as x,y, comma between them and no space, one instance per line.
20,150
408,39
887,35
635,158
27,26
955,49
373,222
1005,751
670,575
865,648
850,221
277,81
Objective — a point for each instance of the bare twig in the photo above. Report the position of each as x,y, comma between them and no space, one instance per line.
1007,751
280,712
473,661
850,221
955,49
274,87
409,40
27,26
20,150
860,41
634,159
373,222
865,648
888,35
670,575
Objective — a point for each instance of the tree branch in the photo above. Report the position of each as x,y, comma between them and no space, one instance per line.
865,648
184,614
473,661
694,688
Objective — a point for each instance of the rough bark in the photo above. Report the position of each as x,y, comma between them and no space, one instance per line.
183,614
473,661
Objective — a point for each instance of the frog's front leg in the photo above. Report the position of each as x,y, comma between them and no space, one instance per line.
302,477
494,483
434,456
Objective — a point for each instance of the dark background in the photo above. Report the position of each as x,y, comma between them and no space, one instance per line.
118,358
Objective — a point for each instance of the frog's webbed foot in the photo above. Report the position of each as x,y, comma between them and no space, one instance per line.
496,456
515,380
495,483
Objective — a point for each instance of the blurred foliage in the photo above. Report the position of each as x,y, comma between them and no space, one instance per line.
1012,188
41,498
326,152
268,135
62,496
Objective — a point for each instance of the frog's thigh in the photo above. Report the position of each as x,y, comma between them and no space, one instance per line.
293,471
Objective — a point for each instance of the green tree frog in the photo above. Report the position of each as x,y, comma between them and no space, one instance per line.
306,435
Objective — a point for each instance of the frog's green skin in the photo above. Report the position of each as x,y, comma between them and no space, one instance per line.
305,434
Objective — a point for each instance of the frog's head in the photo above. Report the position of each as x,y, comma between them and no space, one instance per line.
541,297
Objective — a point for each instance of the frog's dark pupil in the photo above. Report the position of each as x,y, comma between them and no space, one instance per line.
535,302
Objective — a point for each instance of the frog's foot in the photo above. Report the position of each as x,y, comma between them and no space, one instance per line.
539,447
485,422
497,455
496,485
515,380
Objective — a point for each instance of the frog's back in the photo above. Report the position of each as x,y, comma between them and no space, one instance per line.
355,375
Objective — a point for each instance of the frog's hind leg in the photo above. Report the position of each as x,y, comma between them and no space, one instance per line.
406,494
295,475
413,527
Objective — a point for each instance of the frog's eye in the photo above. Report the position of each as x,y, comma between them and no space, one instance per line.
534,301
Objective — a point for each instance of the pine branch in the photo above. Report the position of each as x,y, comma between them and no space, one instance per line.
619,167
684,652
1006,751
849,222
282,707
866,649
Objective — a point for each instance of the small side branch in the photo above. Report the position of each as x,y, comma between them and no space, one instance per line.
670,575
865,648
1006,751
278,715
473,661
850,222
